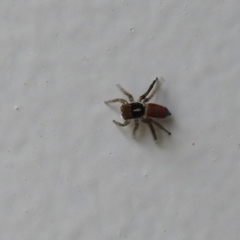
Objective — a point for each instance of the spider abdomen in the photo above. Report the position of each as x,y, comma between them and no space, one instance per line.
156,111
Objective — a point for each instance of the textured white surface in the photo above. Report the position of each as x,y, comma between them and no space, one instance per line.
67,172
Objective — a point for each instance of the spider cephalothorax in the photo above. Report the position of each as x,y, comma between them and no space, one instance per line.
133,110
141,109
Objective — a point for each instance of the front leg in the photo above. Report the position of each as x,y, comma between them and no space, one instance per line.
123,101
148,91
125,92
151,95
125,123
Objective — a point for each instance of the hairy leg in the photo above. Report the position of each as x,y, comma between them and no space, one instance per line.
123,101
126,93
125,123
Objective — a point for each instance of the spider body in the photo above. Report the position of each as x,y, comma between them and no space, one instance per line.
141,110
138,110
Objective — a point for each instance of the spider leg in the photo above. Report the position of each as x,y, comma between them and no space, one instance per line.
146,120
159,125
125,92
125,123
136,125
151,95
153,131
148,91
123,101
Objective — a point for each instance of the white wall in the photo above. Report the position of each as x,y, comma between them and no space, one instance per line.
67,172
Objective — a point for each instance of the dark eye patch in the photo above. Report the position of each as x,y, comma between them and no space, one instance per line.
137,110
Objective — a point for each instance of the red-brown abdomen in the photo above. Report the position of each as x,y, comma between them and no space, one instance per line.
156,111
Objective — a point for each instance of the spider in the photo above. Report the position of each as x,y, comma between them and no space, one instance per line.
141,110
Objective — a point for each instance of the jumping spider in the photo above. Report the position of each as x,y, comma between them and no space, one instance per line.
141,110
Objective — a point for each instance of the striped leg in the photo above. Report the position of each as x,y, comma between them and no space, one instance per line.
125,92
125,123
123,101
